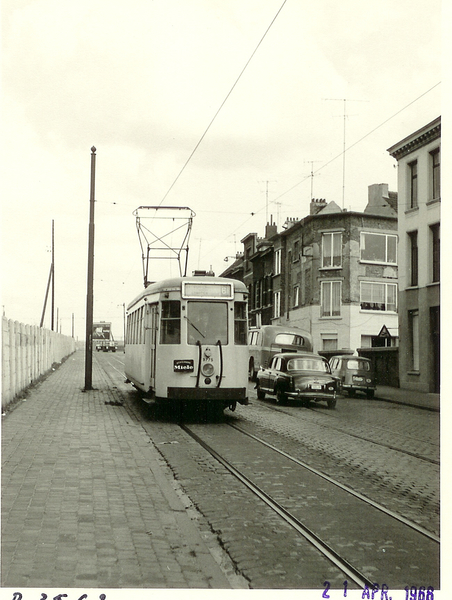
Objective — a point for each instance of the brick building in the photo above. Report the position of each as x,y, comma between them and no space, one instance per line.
333,273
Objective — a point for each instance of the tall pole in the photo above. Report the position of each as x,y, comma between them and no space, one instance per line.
53,278
89,293
45,299
124,323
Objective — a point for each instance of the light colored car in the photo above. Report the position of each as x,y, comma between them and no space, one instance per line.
355,374
296,376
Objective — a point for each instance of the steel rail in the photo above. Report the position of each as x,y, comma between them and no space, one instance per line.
359,437
352,572
345,488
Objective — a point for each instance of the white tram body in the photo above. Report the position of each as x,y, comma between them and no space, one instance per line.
186,339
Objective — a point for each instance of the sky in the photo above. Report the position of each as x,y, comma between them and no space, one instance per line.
224,106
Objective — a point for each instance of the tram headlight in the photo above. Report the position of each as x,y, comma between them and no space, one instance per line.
207,369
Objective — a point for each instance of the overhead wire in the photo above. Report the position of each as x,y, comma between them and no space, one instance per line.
257,211
222,104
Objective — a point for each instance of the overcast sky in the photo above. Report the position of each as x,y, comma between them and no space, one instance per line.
141,80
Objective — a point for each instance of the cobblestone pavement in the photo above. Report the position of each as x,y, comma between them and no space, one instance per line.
402,482
87,500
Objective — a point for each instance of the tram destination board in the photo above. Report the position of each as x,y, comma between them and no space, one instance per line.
208,290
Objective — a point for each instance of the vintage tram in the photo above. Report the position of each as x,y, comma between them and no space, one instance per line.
186,341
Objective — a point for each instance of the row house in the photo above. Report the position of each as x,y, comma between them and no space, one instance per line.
333,273
258,275
419,188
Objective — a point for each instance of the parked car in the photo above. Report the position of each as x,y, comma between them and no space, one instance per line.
266,341
297,376
355,374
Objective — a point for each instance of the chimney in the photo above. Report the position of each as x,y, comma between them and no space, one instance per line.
317,204
376,193
271,229
380,201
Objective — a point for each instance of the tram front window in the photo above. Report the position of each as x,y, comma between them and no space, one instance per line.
207,322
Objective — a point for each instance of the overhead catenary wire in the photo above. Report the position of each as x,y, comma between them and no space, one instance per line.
223,103
323,166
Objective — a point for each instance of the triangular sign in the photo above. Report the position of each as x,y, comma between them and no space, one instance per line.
384,332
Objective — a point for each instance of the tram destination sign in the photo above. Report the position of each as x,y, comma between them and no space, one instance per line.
208,290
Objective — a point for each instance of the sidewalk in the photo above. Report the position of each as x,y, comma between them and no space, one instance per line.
87,501
408,397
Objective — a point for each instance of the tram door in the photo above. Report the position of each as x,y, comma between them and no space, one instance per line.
150,343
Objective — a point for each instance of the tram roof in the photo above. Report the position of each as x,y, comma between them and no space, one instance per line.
175,283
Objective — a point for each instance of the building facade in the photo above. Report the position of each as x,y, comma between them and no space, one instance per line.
419,190
333,273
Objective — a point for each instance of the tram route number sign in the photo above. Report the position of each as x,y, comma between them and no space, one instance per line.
183,366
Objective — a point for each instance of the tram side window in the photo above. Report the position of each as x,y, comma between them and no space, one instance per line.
240,324
141,325
170,322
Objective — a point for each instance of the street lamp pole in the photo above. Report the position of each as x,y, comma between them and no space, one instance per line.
89,294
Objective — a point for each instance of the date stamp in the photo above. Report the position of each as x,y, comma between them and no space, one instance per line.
381,592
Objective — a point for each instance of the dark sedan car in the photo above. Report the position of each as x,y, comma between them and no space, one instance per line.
296,376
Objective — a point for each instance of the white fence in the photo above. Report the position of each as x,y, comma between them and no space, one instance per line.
28,352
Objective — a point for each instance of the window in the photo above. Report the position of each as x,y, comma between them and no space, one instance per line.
308,364
331,250
257,294
276,304
207,322
413,258
296,251
413,184
378,248
296,295
330,299
378,296
356,364
413,320
277,264
329,343
435,245
240,324
170,322
436,174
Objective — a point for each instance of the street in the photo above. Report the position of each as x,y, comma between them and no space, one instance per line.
103,489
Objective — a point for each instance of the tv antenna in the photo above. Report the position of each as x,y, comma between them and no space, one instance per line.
168,240
345,115
266,197
311,175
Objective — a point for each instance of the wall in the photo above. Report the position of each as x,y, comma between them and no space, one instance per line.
27,353
385,362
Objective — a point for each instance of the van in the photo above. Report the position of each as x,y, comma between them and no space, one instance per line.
266,341
355,374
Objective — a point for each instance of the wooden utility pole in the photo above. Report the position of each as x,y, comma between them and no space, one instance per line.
53,281
50,281
89,293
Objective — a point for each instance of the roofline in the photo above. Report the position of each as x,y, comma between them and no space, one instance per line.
415,140
308,218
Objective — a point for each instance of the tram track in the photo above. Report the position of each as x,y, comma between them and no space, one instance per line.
376,505
366,438
349,570
377,530
318,529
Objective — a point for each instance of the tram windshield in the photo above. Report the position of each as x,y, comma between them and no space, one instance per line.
207,322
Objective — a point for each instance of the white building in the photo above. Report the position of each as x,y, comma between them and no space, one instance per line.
419,216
